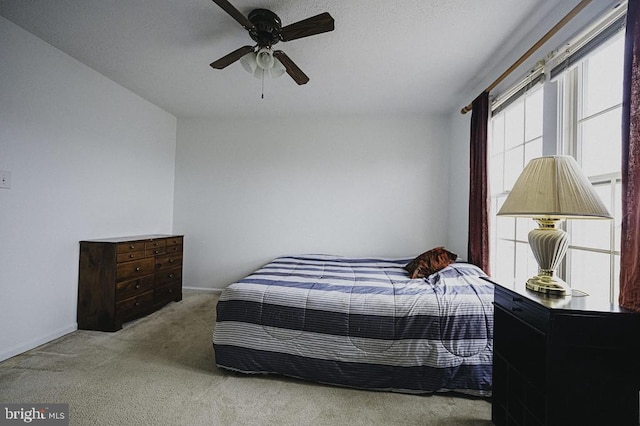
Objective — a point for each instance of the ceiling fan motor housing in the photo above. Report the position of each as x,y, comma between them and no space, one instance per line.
267,27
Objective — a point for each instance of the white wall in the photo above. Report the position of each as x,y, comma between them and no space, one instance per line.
88,159
250,190
459,163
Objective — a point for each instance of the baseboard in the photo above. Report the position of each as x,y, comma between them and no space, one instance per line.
204,289
32,344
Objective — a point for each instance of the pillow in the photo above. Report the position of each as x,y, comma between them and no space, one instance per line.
430,262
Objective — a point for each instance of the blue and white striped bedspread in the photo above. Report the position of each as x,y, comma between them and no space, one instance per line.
360,323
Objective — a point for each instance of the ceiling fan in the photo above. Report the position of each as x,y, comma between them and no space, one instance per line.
266,29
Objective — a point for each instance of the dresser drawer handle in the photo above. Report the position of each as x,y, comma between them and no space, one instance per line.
137,303
170,275
156,251
137,269
170,290
137,285
170,260
131,256
132,246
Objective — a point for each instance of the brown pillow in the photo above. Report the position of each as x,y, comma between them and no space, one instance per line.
430,262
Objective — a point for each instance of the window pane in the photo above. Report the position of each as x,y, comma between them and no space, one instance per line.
514,124
497,134
496,169
590,272
523,226
533,105
532,150
526,265
505,227
505,251
603,78
600,143
513,166
593,233
590,233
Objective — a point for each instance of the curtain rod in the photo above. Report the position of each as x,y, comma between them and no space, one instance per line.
533,48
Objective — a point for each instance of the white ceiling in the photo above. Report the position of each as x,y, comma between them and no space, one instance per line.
384,57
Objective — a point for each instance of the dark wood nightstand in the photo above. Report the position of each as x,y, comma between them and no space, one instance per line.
563,361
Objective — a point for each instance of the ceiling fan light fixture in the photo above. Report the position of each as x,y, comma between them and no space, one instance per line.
259,73
278,69
249,62
264,58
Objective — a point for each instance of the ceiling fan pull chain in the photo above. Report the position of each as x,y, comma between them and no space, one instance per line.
263,84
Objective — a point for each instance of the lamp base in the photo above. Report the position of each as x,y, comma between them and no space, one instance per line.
548,244
552,286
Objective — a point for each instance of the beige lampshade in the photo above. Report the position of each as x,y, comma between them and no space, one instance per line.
554,187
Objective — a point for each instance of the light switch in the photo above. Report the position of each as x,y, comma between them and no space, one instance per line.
5,179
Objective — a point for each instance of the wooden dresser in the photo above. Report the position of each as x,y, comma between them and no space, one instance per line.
564,361
121,279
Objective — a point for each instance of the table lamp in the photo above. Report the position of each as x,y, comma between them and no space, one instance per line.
549,190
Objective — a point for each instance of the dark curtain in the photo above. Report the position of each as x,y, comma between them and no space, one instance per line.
478,243
630,243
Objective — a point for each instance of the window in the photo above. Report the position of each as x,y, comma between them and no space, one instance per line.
585,122
516,138
594,139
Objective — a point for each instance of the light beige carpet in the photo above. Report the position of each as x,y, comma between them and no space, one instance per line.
160,370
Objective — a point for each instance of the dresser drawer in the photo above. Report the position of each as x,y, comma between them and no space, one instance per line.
168,292
522,308
130,256
155,248
174,249
126,289
168,275
154,244
134,306
135,269
130,246
169,261
174,241
157,251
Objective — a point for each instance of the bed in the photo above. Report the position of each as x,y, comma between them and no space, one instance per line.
361,323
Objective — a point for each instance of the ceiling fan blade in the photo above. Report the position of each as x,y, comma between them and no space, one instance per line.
227,60
292,69
307,27
235,13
